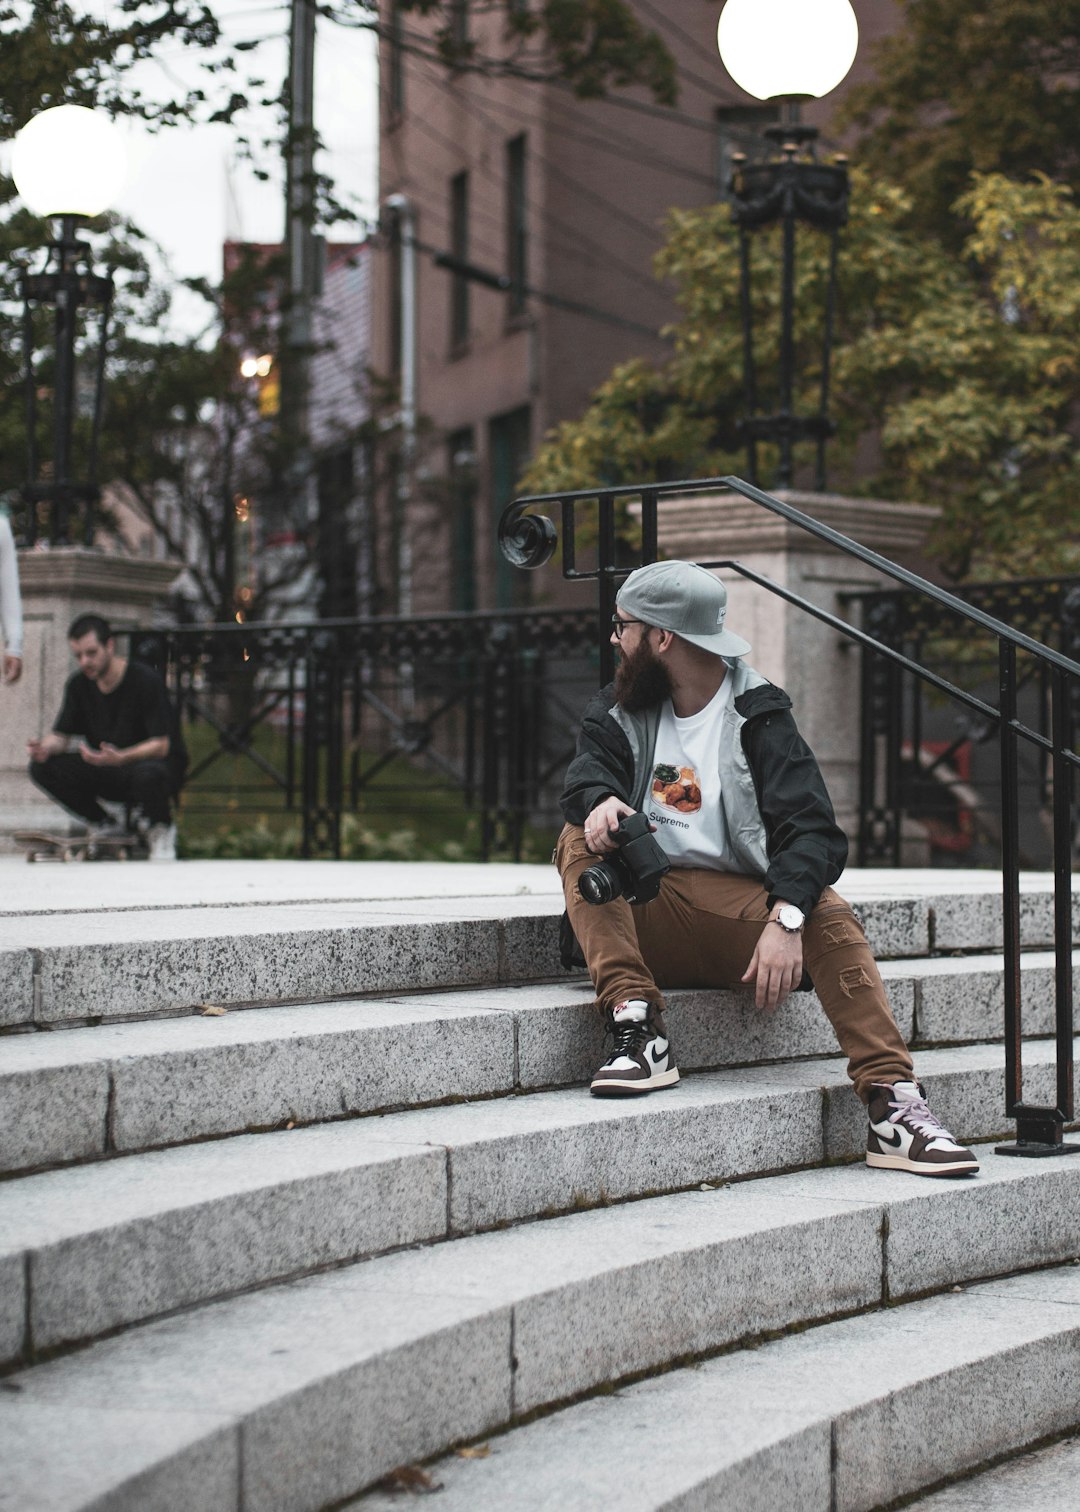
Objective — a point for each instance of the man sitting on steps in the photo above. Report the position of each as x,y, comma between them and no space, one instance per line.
708,750
128,746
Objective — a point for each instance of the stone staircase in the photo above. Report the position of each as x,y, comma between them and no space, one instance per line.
262,1258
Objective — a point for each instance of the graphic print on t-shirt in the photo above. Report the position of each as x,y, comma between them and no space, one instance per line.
676,787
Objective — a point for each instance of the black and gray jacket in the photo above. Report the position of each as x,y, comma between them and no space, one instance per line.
780,820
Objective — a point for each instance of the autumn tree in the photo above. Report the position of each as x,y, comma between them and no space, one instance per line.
963,86
960,369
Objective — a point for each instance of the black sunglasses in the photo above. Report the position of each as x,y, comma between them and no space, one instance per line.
619,625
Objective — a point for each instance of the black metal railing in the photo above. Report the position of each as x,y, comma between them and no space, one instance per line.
930,765
432,720
618,516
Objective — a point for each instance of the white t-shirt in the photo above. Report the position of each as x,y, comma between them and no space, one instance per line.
683,799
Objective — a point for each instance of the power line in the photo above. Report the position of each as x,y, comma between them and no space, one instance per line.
416,44
652,232
602,252
505,285
596,137
614,209
693,42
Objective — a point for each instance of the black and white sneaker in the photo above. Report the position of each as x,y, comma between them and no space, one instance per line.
905,1136
641,1059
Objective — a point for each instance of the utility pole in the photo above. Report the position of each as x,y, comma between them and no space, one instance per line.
302,256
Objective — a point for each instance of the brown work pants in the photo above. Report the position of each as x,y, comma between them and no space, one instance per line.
701,932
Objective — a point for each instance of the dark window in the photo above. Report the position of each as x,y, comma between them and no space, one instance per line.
739,128
461,470
516,230
396,66
336,553
510,447
459,246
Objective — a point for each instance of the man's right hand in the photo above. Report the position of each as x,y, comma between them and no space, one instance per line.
604,818
48,745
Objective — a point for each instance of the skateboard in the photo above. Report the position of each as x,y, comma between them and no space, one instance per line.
41,846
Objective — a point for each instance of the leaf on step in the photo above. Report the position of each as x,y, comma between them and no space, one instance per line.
409,1478
474,1451
213,1010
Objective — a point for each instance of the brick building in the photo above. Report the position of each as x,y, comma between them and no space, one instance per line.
566,198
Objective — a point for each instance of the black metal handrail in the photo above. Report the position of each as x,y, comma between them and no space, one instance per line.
916,758
529,538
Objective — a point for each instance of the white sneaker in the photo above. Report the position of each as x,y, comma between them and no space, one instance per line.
905,1136
161,842
108,829
641,1059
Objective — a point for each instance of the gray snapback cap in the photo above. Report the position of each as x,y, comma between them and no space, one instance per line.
686,599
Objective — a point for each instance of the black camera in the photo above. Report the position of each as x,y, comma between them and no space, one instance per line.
635,871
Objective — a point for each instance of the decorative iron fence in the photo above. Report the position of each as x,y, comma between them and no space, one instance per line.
423,720
930,777
528,537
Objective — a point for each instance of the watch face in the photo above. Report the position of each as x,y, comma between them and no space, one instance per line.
790,917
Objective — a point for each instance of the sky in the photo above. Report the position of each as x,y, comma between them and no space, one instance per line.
178,188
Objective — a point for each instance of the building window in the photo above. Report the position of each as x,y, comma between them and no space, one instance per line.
335,489
461,471
396,65
516,229
739,128
459,247
510,446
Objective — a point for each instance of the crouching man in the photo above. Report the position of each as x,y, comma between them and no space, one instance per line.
707,749
116,738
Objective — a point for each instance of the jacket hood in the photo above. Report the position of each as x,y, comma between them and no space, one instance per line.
761,698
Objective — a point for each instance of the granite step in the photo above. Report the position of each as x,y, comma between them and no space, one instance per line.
98,1247
299,1395
847,1417
1046,1479
87,1092
107,965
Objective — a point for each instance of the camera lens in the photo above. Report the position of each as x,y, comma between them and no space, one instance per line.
599,884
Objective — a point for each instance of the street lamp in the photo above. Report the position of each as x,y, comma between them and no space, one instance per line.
67,163
789,51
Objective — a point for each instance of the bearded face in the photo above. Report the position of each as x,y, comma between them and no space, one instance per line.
641,678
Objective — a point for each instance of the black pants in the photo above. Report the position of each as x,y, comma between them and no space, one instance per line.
146,785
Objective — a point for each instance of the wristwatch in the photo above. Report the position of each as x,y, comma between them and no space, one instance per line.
790,918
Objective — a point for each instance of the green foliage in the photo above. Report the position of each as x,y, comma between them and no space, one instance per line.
592,46
56,53
260,840
971,85
961,368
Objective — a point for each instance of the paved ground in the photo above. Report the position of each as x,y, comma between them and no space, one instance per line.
51,887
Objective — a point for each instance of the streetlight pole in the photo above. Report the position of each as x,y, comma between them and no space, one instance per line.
787,50
68,163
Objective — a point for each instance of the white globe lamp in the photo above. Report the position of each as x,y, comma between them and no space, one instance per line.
787,49
69,161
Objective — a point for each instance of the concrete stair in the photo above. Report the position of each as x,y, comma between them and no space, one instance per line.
259,1259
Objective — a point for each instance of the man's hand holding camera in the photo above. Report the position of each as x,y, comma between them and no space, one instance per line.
605,818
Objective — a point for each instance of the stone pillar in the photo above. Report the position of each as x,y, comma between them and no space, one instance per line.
57,585
817,666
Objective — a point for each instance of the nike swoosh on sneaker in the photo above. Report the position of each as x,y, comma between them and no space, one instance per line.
895,1139
656,1056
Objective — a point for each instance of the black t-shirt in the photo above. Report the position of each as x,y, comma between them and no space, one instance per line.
137,709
